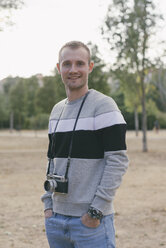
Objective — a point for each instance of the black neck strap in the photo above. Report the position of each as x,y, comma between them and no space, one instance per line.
72,136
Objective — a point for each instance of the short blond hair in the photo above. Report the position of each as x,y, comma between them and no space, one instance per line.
75,45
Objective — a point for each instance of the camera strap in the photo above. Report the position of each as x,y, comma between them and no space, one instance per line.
72,136
52,139
71,142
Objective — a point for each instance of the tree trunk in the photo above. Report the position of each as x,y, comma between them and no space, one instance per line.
144,126
144,117
136,121
11,121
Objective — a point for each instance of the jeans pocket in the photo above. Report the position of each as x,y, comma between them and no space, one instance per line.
46,218
51,218
83,225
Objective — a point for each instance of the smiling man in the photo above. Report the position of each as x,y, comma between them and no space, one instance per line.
87,158
74,66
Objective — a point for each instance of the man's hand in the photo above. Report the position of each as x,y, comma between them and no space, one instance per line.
90,222
48,213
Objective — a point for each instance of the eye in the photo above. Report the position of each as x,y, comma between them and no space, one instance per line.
66,63
80,63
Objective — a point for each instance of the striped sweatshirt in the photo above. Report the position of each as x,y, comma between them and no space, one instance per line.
98,156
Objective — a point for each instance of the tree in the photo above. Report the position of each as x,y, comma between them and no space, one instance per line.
8,83
10,4
51,93
3,110
98,79
131,91
5,7
158,87
31,88
17,103
128,27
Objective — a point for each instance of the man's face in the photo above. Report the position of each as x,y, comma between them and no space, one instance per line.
74,68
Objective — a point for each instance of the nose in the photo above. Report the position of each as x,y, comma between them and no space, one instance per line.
73,68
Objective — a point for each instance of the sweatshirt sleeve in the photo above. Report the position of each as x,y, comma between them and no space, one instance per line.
111,128
47,197
116,165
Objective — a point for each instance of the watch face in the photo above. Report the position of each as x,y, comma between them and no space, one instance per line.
94,213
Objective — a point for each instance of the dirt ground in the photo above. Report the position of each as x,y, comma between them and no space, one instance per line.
140,203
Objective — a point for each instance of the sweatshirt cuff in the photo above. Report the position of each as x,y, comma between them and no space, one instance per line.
101,204
48,204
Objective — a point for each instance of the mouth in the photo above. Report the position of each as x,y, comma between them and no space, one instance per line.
73,77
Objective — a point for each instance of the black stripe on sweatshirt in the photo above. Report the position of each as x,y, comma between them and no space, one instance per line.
88,144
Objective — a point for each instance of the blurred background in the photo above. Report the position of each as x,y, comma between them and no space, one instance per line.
128,45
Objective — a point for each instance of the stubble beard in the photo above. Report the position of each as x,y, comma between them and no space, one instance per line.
74,85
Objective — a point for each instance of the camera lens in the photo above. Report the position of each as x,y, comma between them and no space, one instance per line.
47,185
50,185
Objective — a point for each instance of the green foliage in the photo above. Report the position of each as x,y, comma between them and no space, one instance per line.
118,96
31,87
130,88
155,114
121,94
157,91
128,28
5,9
8,83
10,4
48,95
3,111
32,99
40,121
98,79
17,102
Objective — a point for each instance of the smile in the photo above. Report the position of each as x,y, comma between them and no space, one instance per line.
73,78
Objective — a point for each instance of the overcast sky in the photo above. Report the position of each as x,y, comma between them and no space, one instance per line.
42,26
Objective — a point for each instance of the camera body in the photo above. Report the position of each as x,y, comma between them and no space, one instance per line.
55,183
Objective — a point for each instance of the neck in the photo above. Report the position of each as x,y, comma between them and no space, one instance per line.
75,94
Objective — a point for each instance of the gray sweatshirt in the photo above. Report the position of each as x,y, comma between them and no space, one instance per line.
98,158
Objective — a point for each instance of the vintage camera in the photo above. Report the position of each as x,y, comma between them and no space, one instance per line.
55,183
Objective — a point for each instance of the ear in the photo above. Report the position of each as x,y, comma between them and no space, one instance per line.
91,65
58,67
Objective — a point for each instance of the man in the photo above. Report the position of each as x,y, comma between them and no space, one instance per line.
87,145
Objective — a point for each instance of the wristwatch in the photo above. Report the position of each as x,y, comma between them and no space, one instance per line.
95,213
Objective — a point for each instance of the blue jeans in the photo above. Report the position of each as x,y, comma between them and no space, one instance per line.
69,232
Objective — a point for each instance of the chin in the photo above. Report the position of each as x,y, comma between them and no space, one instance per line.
75,85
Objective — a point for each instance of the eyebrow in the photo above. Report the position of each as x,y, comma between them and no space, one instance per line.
65,61
79,60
